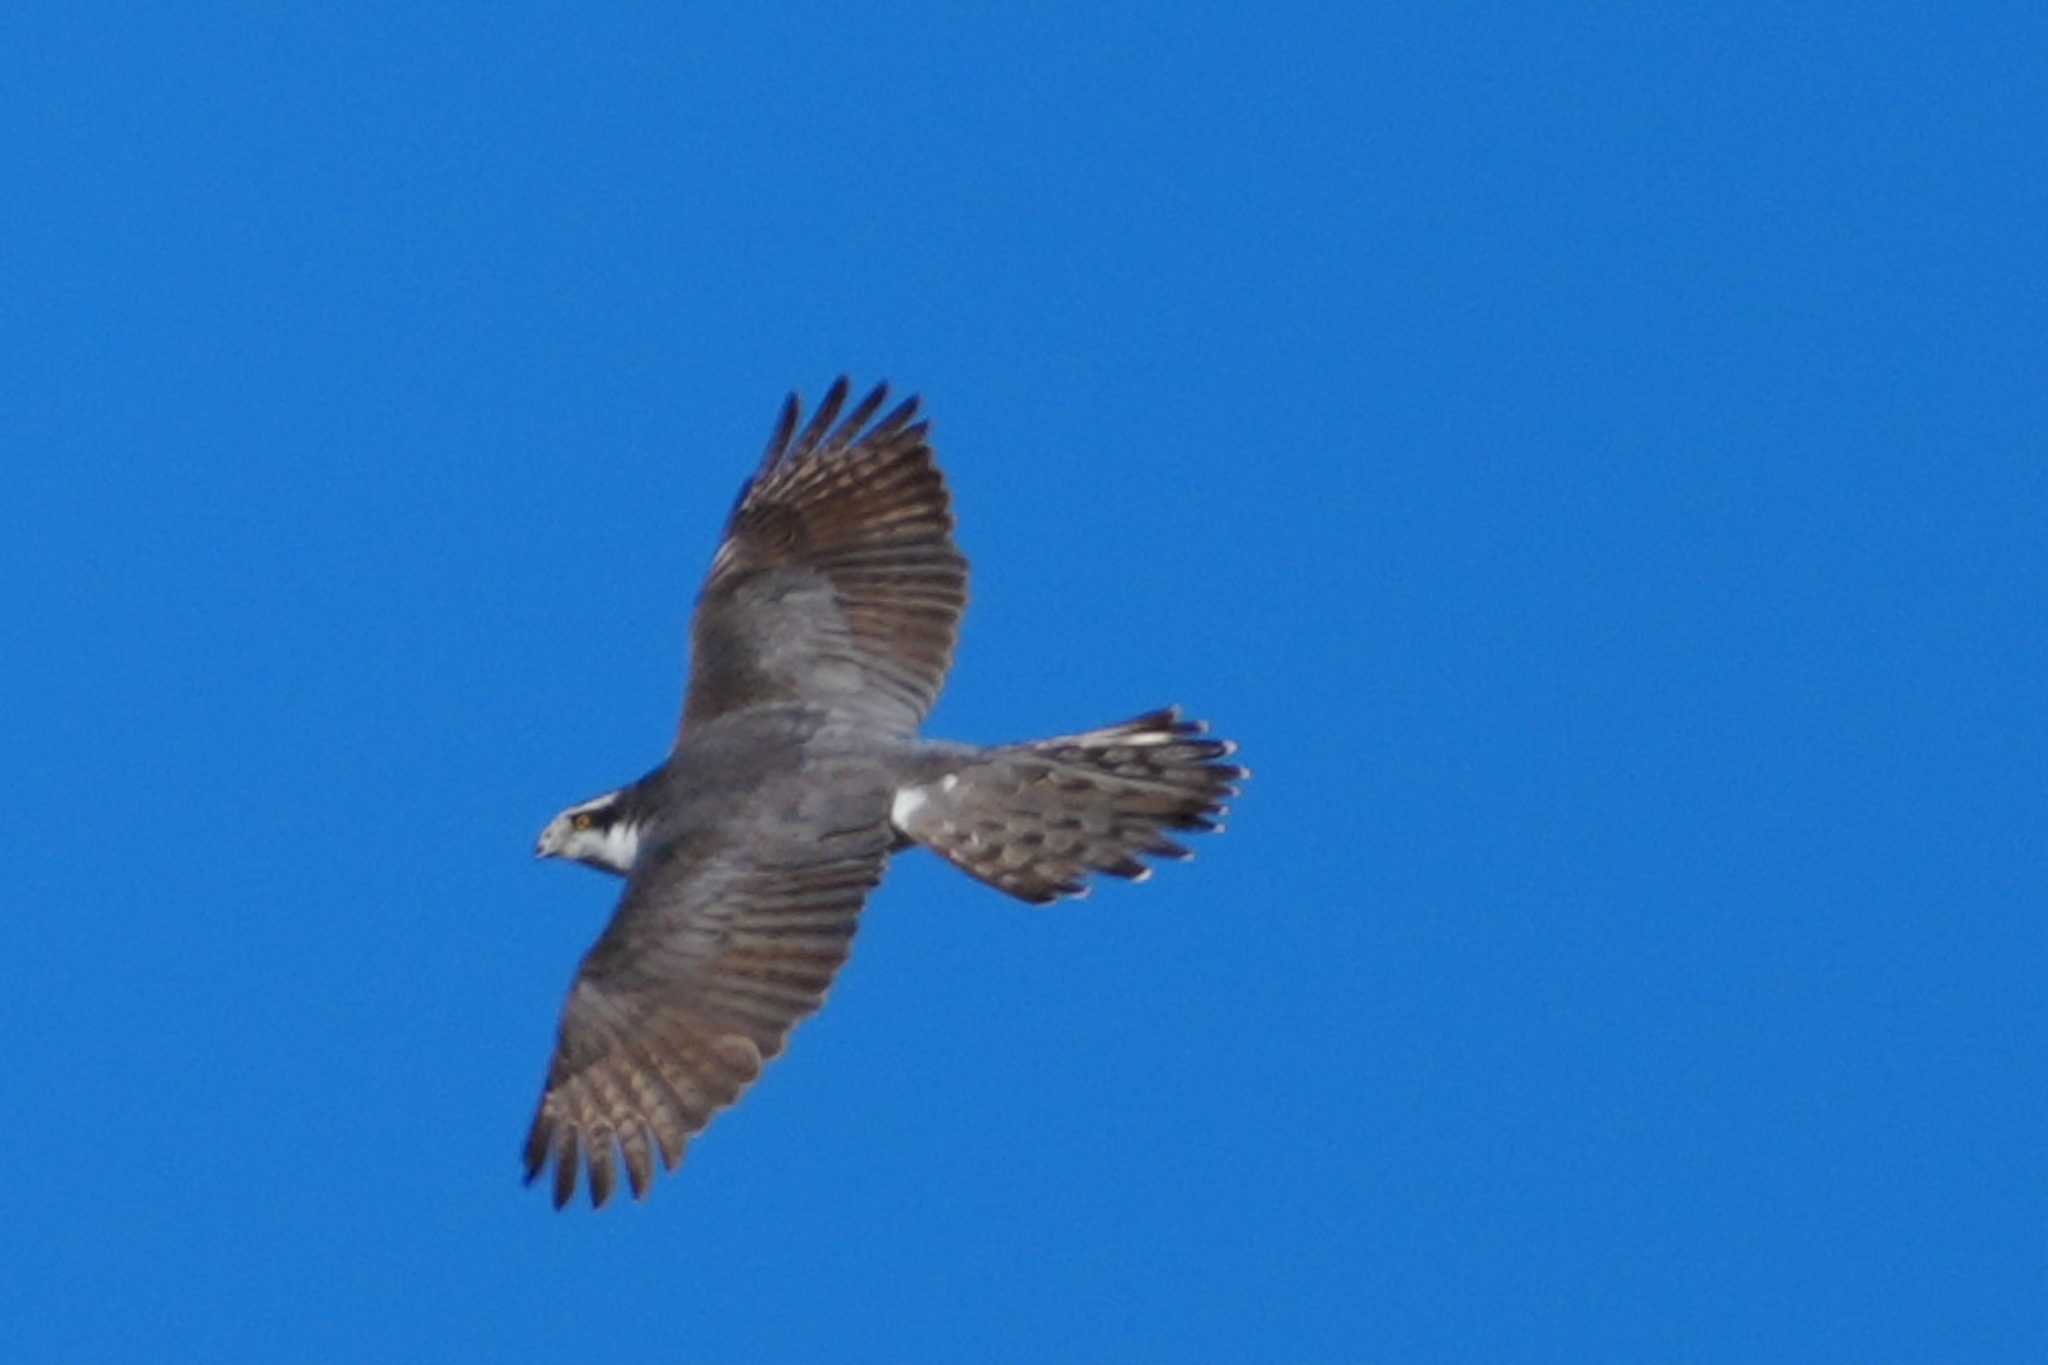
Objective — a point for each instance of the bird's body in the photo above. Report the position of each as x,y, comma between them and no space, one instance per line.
823,633
741,768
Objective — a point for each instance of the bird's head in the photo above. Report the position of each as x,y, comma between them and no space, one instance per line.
603,833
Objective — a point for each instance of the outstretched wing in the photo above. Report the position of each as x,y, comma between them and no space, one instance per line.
837,583
725,939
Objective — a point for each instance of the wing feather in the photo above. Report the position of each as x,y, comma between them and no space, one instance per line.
724,941
837,583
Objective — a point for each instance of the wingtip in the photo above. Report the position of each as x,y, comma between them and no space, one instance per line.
778,438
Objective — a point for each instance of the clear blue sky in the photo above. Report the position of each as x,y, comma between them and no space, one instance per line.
1593,461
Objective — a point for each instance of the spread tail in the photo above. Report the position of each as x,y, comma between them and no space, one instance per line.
1035,819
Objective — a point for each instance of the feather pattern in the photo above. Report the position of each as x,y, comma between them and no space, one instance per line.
1033,820
726,939
837,584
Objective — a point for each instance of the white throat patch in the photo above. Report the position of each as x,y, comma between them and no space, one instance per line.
583,834
615,846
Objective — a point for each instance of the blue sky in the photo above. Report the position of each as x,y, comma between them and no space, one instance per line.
1591,458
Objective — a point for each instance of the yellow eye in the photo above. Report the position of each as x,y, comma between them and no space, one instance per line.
581,820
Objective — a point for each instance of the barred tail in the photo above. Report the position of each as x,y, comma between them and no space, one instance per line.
1035,819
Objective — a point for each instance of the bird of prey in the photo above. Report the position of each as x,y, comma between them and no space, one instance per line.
820,640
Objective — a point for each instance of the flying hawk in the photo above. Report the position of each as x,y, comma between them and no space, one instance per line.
820,640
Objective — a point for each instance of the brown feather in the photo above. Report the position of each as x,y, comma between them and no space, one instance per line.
1034,820
837,583
715,955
